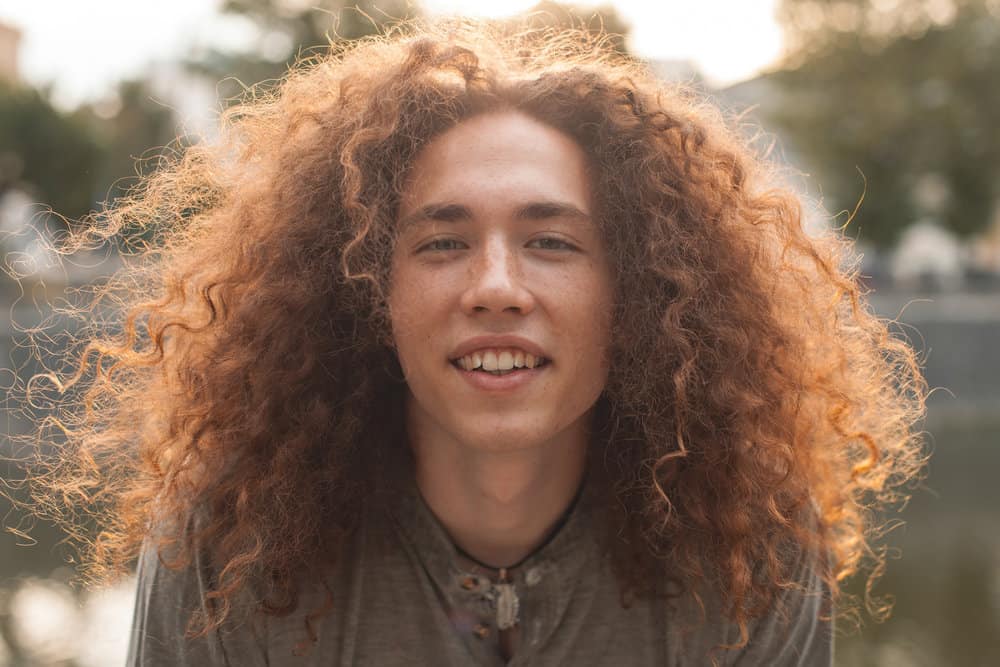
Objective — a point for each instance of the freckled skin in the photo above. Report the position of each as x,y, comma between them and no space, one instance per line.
494,270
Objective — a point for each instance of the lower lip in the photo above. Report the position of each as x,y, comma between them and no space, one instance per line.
500,383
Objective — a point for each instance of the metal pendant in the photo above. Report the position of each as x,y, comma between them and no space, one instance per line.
507,605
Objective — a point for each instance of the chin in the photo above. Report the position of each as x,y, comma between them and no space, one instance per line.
505,440
512,434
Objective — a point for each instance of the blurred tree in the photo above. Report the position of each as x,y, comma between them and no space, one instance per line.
138,132
53,155
135,128
813,25
288,29
137,135
905,92
595,20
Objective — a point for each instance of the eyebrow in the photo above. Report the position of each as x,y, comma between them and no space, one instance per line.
539,210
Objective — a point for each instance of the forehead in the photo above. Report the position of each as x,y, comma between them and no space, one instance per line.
499,157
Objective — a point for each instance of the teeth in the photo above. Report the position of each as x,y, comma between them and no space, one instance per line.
505,361
498,362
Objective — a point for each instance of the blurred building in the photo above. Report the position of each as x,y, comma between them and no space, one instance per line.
986,246
10,38
928,256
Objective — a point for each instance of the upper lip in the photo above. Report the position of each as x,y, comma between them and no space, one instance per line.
471,345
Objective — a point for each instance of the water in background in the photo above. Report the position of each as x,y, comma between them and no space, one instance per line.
946,583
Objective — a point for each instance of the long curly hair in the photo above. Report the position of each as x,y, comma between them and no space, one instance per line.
754,399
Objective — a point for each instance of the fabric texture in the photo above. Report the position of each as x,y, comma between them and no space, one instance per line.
403,595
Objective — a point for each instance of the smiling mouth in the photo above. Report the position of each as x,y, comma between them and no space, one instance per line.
499,361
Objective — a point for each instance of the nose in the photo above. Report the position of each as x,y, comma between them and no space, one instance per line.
496,282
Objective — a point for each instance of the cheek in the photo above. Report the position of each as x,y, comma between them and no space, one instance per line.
401,322
415,320
596,308
408,332
406,300
588,321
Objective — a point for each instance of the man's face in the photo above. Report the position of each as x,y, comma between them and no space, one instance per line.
501,293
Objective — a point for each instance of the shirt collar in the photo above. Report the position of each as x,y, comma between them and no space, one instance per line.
544,582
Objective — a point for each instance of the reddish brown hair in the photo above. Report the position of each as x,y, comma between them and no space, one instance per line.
754,399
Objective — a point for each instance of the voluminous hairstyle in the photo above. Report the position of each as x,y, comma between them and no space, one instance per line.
754,400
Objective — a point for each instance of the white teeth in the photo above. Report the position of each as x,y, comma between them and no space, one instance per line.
498,360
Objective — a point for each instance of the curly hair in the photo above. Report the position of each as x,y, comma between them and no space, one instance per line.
754,398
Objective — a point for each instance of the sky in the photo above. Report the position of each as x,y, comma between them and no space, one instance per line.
83,48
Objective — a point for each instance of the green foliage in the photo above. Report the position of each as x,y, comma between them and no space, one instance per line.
813,26
602,19
909,103
135,136
320,22
55,156
289,30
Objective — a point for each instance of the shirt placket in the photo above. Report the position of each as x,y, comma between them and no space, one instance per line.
542,585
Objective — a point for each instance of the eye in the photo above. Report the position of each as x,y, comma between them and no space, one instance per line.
551,243
442,245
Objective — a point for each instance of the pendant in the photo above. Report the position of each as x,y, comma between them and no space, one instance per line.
508,605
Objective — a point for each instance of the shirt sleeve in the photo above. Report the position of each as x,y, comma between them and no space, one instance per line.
165,601
800,637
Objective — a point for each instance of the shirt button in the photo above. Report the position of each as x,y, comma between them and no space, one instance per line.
469,583
532,576
482,631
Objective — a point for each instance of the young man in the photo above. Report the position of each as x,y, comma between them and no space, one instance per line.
478,350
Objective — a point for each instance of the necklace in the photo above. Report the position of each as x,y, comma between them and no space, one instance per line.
502,592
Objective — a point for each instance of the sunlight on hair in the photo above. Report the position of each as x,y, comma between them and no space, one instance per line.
482,8
243,354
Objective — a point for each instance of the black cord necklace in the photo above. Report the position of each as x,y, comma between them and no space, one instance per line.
501,572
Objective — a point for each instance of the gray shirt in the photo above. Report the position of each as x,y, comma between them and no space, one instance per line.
403,595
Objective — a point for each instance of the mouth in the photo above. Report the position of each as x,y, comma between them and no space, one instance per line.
498,361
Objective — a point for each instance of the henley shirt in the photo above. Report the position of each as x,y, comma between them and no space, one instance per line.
402,595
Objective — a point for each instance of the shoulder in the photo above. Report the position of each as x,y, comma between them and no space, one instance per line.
799,628
171,602
327,615
796,631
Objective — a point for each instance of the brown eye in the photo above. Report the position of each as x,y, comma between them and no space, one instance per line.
551,243
442,245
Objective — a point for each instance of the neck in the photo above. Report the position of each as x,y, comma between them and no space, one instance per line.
498,507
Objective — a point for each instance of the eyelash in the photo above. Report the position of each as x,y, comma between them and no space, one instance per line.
563,245
435,245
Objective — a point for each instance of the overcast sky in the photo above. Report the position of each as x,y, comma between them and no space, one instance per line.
83,48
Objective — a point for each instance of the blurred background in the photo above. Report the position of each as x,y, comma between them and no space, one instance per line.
895,101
